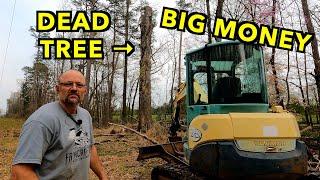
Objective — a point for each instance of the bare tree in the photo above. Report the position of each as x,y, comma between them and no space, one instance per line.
209,21
111,74
219,13
145,70
125,71
183,5
272,59
89,6
302,91
314,44
306,100
287,78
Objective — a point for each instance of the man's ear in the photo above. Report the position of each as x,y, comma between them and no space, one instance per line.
57,88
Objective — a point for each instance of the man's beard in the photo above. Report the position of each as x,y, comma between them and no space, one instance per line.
72,101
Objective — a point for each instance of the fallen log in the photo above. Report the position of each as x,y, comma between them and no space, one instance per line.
101,142
109,140
138,133
117,135
306,129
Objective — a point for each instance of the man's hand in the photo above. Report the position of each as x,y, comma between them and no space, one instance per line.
96,165
23,171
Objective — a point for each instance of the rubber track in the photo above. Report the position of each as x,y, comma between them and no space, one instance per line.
174,171
181,172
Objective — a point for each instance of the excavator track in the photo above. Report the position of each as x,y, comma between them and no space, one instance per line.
175,172
313,145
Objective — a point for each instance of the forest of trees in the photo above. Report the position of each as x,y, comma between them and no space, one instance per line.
115,83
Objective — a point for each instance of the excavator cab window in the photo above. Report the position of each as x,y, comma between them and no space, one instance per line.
227,74
200,86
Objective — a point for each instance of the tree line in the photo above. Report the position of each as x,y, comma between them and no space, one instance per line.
131,89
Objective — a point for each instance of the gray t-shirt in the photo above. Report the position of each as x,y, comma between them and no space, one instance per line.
59,146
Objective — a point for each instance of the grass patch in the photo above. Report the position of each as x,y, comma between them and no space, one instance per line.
11,123
118,155
102,151
9,135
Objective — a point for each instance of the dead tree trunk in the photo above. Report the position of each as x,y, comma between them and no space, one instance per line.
146,27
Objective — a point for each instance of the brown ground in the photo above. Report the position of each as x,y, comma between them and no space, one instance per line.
118,155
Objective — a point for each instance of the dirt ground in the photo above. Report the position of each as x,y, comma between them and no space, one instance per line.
118,154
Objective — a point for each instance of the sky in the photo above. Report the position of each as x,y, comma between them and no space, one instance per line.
21,44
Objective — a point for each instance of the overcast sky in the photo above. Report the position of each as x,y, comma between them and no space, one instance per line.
21,44
20,49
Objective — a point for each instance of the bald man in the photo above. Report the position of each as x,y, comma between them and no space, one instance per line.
56,141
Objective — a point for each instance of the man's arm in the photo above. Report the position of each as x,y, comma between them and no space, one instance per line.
23,171
96,165
33,142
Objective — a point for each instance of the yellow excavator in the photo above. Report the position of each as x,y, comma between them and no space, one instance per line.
231,132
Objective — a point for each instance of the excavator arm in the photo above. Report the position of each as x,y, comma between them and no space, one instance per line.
199,96
176,107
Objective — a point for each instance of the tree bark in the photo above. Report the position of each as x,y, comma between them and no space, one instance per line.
146,27
63,60
142,135
209,22
173,71
88,73
314,45
287,82
110,75
272,63
134,98
125,71
179,63
307,88
218,13
89,63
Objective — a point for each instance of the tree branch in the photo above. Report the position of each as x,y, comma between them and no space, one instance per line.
138,133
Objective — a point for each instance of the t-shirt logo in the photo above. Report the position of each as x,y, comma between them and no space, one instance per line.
80,149
72,134
81,138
